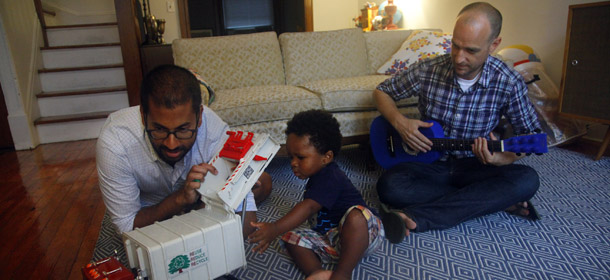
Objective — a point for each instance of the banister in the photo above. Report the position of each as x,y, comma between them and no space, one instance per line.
40,13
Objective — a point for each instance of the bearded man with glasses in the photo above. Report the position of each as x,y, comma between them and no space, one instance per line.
152,158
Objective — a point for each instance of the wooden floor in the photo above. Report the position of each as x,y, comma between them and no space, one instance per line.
51,209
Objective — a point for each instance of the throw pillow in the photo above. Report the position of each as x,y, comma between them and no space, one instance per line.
207,94
420,45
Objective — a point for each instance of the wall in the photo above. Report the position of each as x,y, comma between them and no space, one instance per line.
328,15
540,24
335,14
159,9
20,39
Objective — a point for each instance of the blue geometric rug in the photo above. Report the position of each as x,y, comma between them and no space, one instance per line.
571,241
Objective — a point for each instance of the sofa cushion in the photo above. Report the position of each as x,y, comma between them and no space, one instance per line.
234,61
420,45
311,56
350,94
275,129
262,103
381,45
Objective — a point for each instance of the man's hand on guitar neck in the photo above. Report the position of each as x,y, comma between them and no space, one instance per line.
480,150
409,131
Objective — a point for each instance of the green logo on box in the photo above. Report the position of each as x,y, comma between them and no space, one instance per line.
178,264
187,261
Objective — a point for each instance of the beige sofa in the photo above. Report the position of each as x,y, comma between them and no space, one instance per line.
261,80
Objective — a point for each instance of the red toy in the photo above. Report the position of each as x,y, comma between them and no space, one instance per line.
236,148
107,269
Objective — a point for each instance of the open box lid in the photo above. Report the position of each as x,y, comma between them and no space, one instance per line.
240,163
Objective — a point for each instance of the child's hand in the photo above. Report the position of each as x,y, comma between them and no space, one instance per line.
264,234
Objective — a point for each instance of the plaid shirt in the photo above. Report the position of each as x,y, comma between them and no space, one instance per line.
500,91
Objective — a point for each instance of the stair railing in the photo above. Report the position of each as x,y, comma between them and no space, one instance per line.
43,25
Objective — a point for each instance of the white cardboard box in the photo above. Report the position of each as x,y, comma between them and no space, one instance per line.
206,243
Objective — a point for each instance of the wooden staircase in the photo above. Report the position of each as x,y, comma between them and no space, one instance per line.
82,80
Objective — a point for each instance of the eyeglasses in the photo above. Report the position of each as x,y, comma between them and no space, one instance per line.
181,133
161,134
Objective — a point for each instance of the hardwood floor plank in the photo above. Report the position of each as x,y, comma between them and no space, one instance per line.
74,228
19,221
56,228
50,205
85,253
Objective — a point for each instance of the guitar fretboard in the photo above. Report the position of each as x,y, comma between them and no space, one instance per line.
444,144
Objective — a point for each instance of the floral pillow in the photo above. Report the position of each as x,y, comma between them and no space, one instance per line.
420,45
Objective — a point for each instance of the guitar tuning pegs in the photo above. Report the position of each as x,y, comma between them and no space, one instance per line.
528,154
518,154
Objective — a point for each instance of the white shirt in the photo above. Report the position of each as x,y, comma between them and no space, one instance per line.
131,176
465,85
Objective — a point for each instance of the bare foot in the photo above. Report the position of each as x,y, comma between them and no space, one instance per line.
320,275
409,223
519,209
524,209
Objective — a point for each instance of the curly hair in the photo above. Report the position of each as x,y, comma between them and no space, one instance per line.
321,127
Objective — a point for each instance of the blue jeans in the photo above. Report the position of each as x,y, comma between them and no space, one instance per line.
443,194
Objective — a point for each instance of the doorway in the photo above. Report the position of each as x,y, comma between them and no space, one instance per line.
199,18
6,139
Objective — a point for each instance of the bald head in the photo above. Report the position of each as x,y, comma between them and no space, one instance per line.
475,12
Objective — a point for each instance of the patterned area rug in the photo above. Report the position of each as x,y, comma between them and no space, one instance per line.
572,241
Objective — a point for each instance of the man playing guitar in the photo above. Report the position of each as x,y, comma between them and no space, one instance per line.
467,92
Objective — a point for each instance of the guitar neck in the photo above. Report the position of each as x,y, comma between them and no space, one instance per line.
444,144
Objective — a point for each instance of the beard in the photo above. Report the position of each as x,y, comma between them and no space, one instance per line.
164,152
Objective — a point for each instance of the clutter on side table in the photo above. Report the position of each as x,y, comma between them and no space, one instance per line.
375,18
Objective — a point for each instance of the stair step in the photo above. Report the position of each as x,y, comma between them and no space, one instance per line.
82,25
79,92
81,34
79,68
70,127
81,78
81,56
83,103
81,46
72,118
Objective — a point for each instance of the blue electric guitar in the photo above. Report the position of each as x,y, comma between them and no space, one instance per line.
389,149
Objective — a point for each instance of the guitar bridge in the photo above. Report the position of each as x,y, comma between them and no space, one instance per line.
390,145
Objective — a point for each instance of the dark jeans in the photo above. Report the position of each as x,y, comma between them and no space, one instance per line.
445,193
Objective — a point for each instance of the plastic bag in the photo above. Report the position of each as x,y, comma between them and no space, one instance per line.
544,95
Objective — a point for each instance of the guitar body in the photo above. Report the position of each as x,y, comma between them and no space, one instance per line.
388,148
